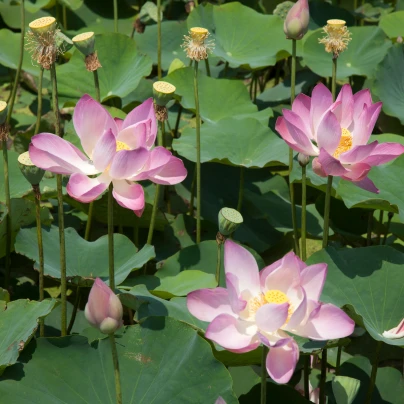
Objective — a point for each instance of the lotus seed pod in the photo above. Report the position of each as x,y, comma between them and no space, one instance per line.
297,21
163,92
43,25
103,309
85,43
3,112
196,44
282,9
229,221
31,172
303,159
337,37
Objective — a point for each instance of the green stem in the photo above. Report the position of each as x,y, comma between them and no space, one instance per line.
264,375
327,211
198,156
306,374
74,312
334,77
338,364
40,252
207,67
370,226
196,3
192,198
8,217
64,11
63,282
136,232
241,189
39,110
323,376
159,75
97,85
291,185
116,369
389,216
111,238
379,228
374,373
177,122
19,66
115,15
218,262
304,202
157,192
255,88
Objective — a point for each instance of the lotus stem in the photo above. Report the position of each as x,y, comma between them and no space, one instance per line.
379,228
220,239
304,213
306,374
374,373
8,217
389,216
159,75
117,375
323,376
111,238
115,15
177,122
157,191
198,155
74,312
338,364
370,226
64,13
207,67
291,185
226,69
63,282
39,110
334,77
196,3
37,193
192,198
241,189
264,375
19,66
327,211
97,85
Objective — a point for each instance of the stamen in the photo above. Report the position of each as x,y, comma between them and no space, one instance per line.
345,144
121,146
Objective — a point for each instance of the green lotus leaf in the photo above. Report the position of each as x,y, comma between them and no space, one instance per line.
70,370
85,260
367,49
392,24
370,280
18,323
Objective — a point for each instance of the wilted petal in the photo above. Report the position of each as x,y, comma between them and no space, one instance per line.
241,263
129,196
91,120
52,153
281,361
85,189
207,304
127,163
231,333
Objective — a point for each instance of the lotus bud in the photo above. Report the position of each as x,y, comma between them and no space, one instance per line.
229,221
85,43
3,123
103,309
303,159
31,172
297,21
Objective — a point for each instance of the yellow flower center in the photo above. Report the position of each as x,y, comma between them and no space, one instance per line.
345,143
121,146
276,296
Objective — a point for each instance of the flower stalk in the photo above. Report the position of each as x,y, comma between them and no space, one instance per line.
369,230
306,376
159,74
111,264
327,210
115,15
117,375
264,375
198,156
373,375
74,312
39,111
303,161
389,218
241,189
323,376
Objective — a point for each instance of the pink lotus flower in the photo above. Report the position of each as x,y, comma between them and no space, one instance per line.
396,332
337,133
297,21
117,150
103,309
261,307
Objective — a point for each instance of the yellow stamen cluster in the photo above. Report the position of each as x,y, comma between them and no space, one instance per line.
278,297
337,38
345,143
196,45
121,146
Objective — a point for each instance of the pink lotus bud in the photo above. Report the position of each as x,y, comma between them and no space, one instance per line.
103,309
297,21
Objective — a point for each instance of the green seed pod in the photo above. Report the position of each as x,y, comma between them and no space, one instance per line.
163,92
85,43
31,172
43,25
229,221
3,112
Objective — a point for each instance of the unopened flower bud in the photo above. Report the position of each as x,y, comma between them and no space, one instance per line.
303,159
399,39
297,21
30,171
229,221
103,309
